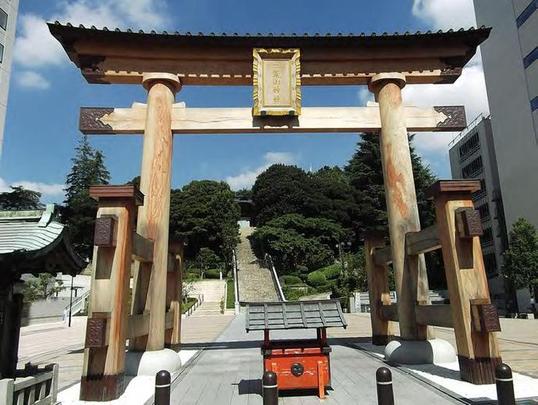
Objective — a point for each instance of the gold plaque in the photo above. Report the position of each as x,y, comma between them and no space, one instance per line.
277,82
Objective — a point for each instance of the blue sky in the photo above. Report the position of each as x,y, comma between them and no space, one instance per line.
47,90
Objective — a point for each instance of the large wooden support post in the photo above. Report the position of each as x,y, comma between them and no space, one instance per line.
10,326
153,217
378,288
410,271
104,352
173,295
475,318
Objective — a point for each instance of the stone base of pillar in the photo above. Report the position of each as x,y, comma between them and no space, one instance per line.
382,340
151,362
420,352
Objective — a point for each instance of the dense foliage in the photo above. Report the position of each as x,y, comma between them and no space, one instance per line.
20,199
205,215
79,212
339,206
520,266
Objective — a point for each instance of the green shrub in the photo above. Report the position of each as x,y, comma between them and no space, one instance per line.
331,272
291,280
212,273
317,278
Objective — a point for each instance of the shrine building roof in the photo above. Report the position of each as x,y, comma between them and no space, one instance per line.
115,56
35,242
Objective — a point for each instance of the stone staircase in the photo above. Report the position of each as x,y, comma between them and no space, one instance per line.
255,282
213,292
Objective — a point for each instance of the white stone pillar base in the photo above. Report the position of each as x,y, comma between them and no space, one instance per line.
432,351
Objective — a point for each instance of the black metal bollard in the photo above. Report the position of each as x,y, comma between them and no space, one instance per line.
385,395
162,388
269,388
505,385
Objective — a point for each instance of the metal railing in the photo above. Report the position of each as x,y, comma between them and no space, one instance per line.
34,386
79,303
199,301
270,265
237,306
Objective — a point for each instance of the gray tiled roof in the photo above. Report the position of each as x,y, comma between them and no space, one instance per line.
28,230
294,315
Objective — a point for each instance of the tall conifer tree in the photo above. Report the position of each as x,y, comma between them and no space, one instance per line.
80,209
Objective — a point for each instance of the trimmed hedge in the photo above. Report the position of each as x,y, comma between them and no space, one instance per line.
291,280
317,278
212,274
331,272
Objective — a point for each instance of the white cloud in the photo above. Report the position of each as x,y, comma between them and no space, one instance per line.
445,14
32,80
47,190
35,47
247,178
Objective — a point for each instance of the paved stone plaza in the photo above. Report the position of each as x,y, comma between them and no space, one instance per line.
230,366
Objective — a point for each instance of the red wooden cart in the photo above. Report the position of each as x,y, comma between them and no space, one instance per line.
298,363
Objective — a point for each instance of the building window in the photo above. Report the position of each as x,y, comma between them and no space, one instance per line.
484,212
525,14
530,58
534,104
490,263
1,53
470,146
487,238
473,169
477,195
3,19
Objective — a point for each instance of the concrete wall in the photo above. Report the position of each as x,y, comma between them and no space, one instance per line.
511,88
7,39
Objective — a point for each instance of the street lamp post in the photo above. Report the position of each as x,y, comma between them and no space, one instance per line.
70,302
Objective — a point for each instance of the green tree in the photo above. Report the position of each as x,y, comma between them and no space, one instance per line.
41,287
205,214
88,169
281,190
19,199
295,242
520,267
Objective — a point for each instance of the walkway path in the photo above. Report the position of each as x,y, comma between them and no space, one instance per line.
518,340
255,282
229,372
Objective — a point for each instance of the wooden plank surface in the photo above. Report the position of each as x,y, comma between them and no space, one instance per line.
435,315
423,241
240,120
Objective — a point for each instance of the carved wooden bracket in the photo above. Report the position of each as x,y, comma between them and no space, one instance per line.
468,223
96,332
484,317
105,232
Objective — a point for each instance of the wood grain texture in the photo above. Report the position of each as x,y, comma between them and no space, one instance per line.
435,315
410,271
467,281
423,241
108,299
240,120
379,292
153,217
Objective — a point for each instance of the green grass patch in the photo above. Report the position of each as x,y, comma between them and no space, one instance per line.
230,295
186,306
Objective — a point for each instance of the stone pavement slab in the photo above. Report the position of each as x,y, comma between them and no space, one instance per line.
229,372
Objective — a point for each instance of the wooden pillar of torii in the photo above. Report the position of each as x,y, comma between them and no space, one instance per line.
153,218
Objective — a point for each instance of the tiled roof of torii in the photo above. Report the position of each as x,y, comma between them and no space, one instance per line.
116,56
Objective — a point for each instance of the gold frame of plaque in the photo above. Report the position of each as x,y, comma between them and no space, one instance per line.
276,81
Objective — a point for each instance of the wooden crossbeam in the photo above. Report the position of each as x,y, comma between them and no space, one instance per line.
239,120
390,312
435,315
138,325
423,241
383,256
142,248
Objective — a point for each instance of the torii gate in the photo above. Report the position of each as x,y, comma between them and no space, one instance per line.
164,62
